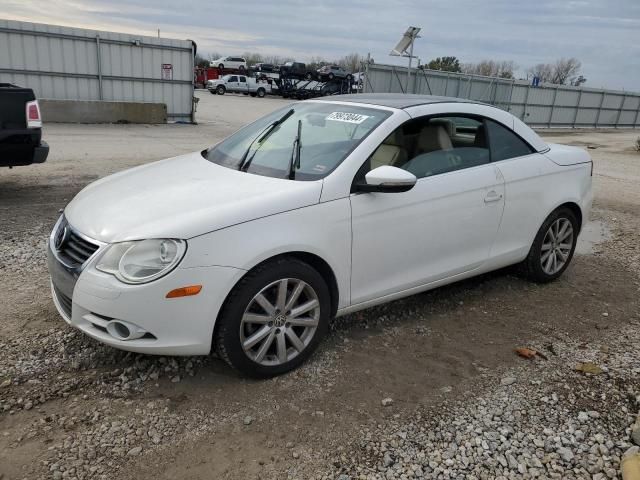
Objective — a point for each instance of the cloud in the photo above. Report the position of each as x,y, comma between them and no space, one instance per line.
601,33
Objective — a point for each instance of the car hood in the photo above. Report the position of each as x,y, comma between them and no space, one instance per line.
181,197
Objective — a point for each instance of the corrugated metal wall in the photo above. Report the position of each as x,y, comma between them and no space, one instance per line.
544,106
75,64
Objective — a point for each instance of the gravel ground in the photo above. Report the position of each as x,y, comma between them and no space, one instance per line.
424,387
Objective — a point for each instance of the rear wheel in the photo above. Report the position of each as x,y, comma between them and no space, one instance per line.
274,318
241,68
553,247
261,92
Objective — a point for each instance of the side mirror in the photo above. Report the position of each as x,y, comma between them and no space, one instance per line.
387,179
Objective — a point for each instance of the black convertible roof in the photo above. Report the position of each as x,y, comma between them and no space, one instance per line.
396,100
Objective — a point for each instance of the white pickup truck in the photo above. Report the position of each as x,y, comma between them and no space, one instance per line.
239,84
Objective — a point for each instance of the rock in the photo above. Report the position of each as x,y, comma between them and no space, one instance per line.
175,379
565,454
248,420
387,460
5,383
295,455
386,402
632,451
135,451
583,417
506,381
635,432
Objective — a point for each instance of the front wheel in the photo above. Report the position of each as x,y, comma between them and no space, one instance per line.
220,90
274,318
221,67
553,247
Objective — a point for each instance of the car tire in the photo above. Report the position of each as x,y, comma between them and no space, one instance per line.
349,77
309,76
241,68
330,76
221,67
261,92
548,258
220,90
243,319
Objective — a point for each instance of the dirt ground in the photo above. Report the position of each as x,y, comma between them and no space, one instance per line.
210,423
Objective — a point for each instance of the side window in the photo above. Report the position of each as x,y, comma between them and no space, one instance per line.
504,143
432,145
233,79
243,79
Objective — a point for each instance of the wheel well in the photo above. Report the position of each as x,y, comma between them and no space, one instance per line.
323,269
575,208
314,261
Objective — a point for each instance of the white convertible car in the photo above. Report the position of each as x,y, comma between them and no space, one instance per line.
319,209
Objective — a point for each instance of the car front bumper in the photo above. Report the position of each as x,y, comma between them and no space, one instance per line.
89,300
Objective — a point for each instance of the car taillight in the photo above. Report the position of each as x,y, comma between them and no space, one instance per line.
34,120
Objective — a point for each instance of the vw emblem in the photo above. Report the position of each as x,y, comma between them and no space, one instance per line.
61,237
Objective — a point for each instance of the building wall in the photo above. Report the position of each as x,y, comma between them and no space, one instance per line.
65,63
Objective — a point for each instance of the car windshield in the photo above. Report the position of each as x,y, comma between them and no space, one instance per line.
328,133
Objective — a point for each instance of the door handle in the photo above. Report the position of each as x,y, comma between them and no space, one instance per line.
492,196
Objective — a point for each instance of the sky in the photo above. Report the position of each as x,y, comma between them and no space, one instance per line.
603,34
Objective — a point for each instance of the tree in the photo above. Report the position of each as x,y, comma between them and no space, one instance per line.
564,71
544,71
253,58
491,68
351,62
446,64
201,61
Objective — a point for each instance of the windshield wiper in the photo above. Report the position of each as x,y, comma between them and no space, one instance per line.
294,164
246,163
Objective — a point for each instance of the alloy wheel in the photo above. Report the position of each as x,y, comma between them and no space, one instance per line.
280,322
556,246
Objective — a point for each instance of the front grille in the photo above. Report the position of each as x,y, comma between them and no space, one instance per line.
75,250
63,301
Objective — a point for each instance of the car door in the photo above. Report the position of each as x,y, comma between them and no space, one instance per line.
444,226
233,83
242,84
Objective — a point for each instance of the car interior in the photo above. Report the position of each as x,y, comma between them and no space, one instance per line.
430,146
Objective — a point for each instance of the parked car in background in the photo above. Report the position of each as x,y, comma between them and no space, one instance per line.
265,67
238,84
229,62
296,70
319,209
20,127
329,72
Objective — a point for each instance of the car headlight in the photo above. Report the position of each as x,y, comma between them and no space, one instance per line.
142,261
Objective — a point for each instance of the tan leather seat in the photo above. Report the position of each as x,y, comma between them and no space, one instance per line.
448,125
391,151
433,138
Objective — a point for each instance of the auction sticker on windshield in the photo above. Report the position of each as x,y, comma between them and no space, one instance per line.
347,117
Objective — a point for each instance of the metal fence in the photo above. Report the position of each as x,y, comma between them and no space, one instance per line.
544,106
76,64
